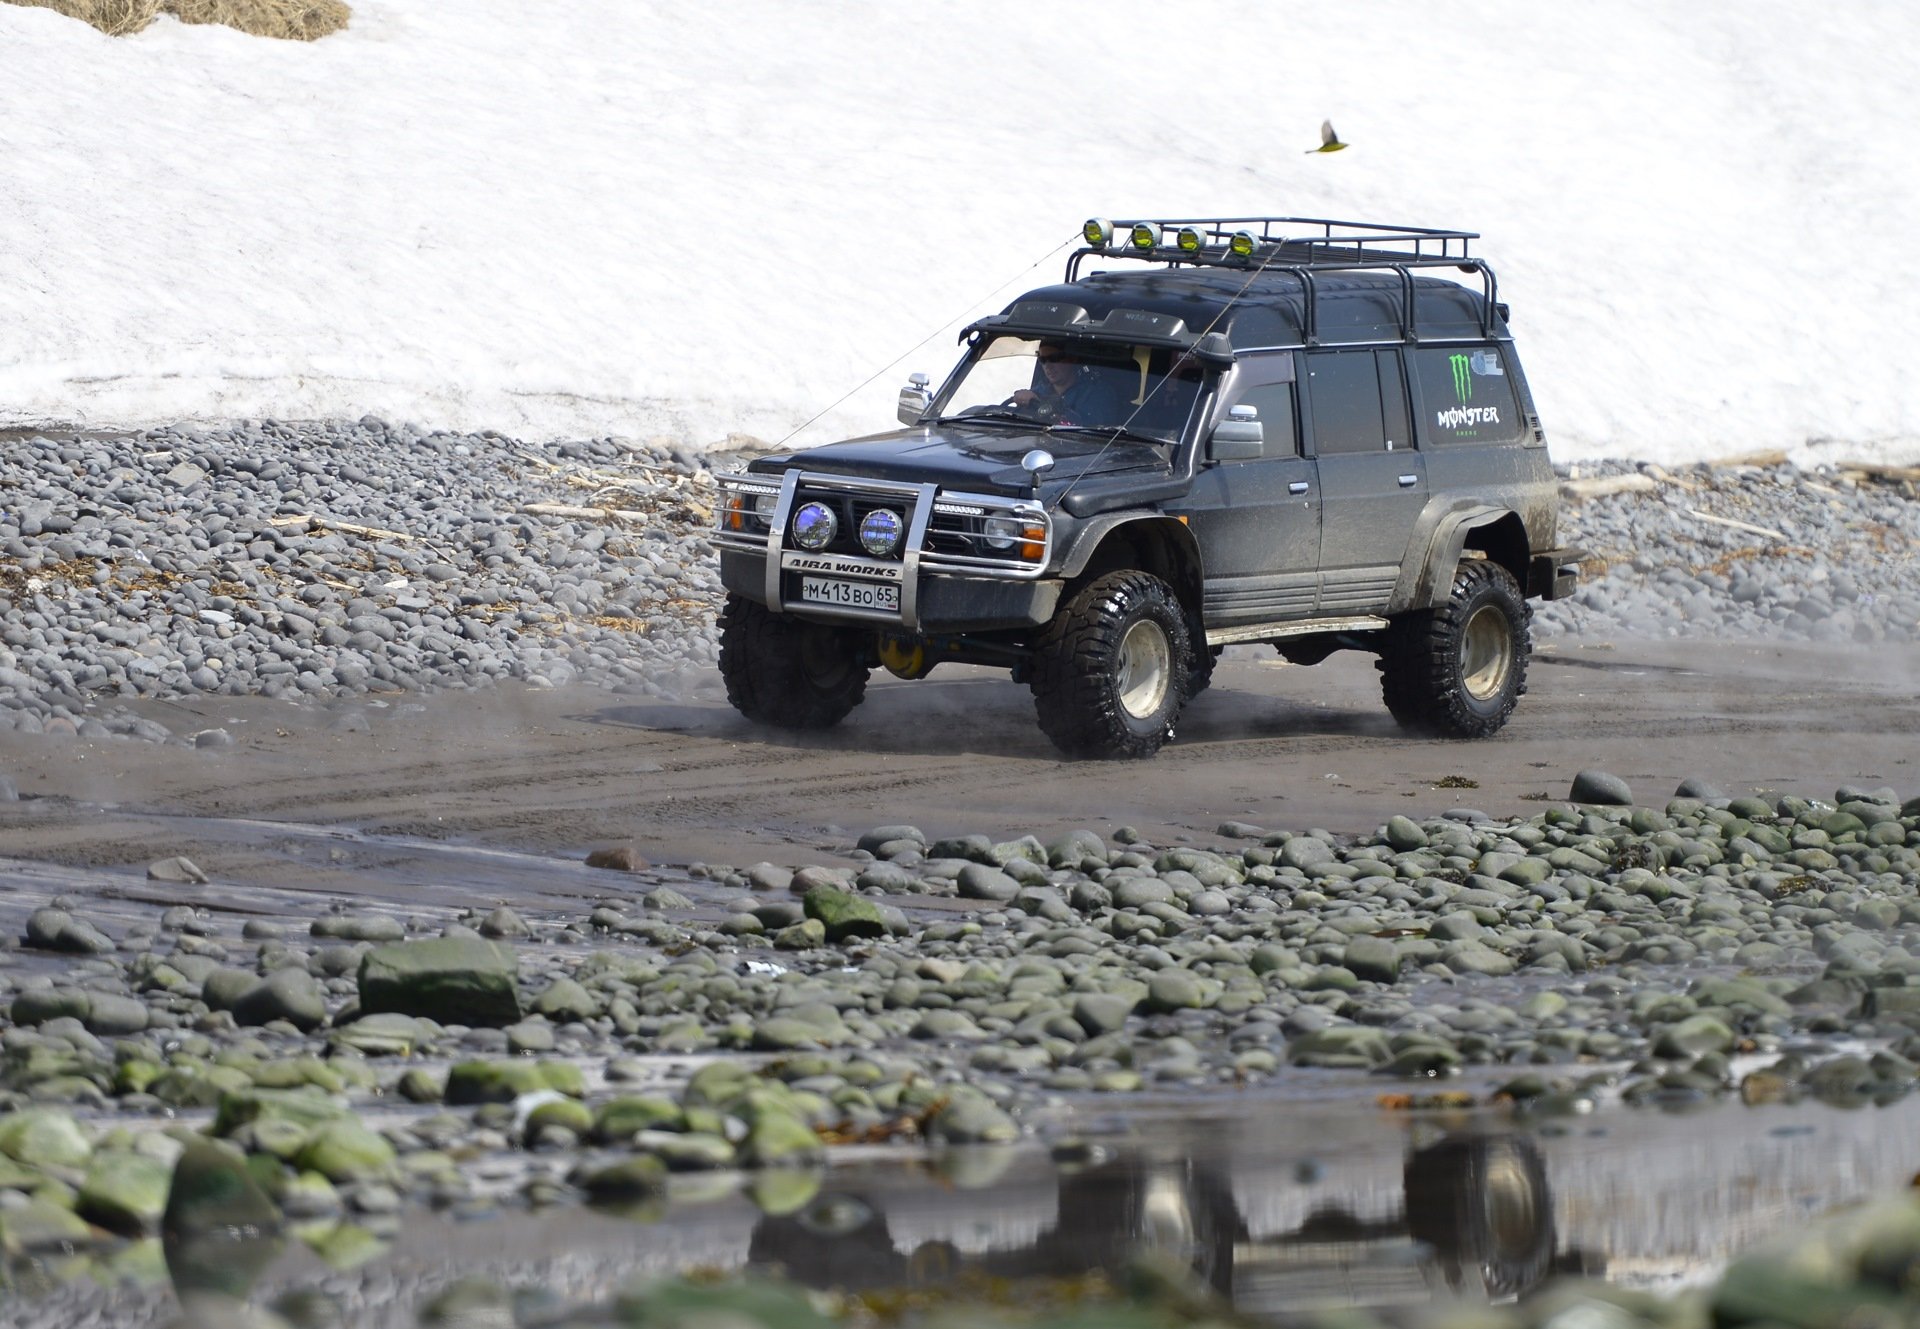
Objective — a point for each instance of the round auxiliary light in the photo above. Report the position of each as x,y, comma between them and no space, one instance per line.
1241,245
1145,235
1098,232
880,532
814,526
1190,240
1000,532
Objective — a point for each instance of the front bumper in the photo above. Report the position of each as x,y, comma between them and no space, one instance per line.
951,572
945,603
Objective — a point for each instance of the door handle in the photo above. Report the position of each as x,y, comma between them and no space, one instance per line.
1408,481
1297,487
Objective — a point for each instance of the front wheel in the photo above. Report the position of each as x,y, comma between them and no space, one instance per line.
1110,672
786,672
1459,670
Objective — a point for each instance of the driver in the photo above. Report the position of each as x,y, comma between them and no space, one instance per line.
1064,389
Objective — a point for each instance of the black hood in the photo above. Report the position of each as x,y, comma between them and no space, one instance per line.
981,458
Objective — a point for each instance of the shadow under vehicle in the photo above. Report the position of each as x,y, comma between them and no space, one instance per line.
1474,1218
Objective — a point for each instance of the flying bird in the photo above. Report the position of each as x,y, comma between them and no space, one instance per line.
1329,141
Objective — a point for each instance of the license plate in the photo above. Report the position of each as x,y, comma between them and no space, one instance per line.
850,594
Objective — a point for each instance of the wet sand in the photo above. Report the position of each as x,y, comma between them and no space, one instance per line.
499,793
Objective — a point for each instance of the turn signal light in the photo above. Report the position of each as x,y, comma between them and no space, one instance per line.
1033,542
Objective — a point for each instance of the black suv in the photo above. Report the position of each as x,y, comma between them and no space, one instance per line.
1282,430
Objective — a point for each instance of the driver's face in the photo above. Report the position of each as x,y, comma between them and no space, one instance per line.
1055,365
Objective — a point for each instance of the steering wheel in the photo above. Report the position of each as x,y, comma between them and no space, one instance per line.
1043,409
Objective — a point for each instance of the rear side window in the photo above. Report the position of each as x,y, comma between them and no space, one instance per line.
1467,395
1359,403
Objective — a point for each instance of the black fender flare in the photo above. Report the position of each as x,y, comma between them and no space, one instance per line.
1183,570
1443,533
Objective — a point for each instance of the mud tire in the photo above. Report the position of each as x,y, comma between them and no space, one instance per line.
787,672
1111,671
1458,670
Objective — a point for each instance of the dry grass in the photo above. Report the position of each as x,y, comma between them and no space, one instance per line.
291,20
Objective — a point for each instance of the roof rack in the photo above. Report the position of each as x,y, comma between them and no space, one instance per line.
1296,246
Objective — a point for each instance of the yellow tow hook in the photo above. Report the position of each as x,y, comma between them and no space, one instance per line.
904,657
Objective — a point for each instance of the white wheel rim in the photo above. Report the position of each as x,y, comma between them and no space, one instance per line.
1486,654
1146,669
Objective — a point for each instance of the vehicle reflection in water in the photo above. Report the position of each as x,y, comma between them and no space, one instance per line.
1475,1218
1284,1206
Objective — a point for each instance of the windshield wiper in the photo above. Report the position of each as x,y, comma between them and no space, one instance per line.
993,414
1111,432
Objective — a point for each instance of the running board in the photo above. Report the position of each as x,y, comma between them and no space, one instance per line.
1297,627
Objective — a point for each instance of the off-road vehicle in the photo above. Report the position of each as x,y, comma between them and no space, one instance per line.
1283,430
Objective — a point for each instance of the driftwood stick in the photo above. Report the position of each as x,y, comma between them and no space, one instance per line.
344,527
1748,527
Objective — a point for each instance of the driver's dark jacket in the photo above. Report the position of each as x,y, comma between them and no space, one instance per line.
1087,401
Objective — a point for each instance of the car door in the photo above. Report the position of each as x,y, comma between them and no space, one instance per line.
1258,520
1372,480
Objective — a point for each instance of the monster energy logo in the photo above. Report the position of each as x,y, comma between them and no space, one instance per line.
1462,377
1465,417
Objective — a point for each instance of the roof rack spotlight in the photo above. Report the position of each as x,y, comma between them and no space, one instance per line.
1098,232
1191,239
1146,235
1242,244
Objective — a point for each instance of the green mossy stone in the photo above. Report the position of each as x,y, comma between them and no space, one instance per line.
344,1246
451,980
566,1112
619,1119
303,1107
640,1177
566,1000
692,1152
212,1191
345,1151
1341,1046
44,1137
1692,1036
125,1192
40,1224
383,1034
779,1139
472,1082
843,914
420,1085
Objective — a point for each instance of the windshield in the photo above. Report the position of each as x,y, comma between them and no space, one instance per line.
1146,390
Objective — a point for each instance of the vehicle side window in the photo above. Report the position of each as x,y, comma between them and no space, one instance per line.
1467,395
1274,402
1348,416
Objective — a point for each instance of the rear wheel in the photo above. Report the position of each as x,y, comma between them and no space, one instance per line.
1111,671
1459,670
787,672
1484,1207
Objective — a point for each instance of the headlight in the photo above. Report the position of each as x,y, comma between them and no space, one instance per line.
880,532
814,526
1000,532
765,505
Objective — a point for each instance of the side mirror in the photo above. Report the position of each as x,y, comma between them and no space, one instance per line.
1240,437
915,400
